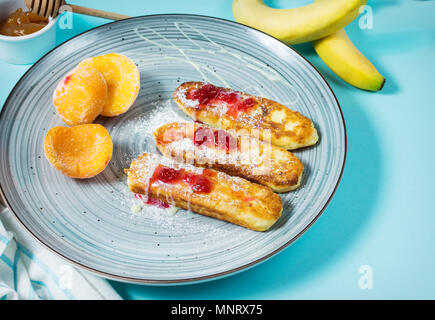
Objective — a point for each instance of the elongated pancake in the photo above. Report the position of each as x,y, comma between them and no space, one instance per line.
205,191
226,151
225,108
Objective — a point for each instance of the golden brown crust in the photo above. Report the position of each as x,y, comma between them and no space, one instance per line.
289,129
231,199
248,158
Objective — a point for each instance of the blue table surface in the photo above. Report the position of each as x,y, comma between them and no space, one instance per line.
382,215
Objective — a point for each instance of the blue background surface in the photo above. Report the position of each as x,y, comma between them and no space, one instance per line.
382,214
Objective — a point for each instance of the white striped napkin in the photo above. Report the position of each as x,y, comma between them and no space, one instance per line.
30,271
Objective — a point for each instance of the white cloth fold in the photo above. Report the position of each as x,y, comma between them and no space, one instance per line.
28,270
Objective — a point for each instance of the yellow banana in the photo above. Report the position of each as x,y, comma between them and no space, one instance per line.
298,25
339,54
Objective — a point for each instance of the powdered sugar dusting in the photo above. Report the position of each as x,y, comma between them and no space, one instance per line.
164,111
181,93
137,135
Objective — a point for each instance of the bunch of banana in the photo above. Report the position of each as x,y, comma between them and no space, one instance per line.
321,22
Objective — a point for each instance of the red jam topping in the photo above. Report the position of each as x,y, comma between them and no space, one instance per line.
245,104
241,106
219,138
209,93
168,175
205,94
152,201
67,79
197,182
228,97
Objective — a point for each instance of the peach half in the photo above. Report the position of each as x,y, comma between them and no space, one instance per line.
80,96
81,151
122,78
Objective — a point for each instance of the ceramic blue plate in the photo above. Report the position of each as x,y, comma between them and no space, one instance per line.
90,222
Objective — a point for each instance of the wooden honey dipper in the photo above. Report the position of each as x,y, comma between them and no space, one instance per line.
50,8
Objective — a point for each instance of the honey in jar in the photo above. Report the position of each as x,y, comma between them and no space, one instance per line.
22,23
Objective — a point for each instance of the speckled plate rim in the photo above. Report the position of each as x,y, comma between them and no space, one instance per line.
211,276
